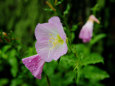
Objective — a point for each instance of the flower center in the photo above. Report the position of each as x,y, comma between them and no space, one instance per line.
56,41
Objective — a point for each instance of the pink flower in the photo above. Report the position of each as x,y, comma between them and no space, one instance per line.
34,64
51,40
50,45
87,29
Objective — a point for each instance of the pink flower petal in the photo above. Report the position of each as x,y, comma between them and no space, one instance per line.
47,32
43,31
86,40
92,17
87,29
34,64
56,21
58,51
43,49
86,32
54,53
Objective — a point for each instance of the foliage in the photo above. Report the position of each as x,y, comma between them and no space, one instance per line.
78,67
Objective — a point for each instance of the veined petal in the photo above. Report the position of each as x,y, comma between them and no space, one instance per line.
34,64
52,49
56,21
43,31
87,29
58,51
86,32
49,36
43,50
52,53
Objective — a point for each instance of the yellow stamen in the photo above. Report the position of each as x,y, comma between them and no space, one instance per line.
50,5
55,41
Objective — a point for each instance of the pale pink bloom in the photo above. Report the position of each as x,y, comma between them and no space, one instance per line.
34,64
87,29
51,40
50,45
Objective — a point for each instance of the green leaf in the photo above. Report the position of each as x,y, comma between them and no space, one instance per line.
80,50
92,59
74,27
68,61
68,79
50,67
72,36
4,51
3,82
5,48
13,62
67,9
94,73
48,9
16,82
59,2
31,51
97,38
99,5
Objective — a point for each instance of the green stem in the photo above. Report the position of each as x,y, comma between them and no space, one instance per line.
78,76
48,80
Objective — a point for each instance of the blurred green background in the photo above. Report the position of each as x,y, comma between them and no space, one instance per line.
90,64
